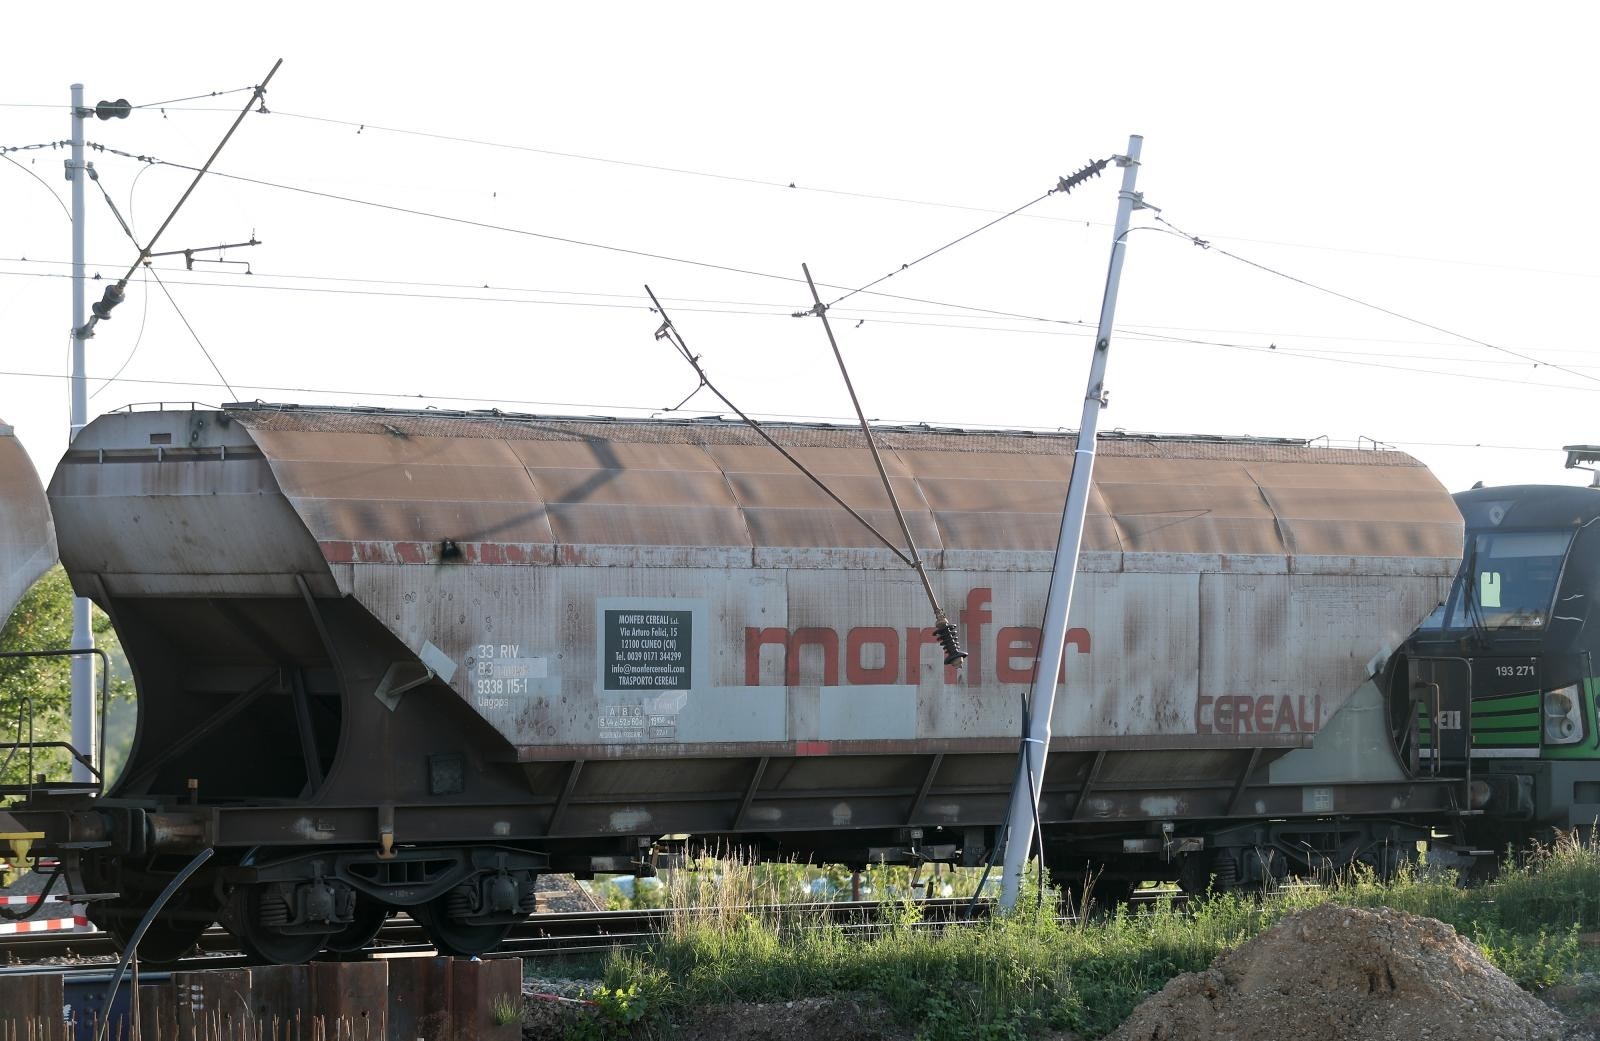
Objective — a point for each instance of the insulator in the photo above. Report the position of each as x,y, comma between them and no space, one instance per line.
113,297
118,109
950,640
1066,184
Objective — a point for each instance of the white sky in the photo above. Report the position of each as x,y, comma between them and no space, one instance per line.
1435,159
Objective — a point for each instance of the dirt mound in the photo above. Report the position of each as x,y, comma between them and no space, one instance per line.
1338,973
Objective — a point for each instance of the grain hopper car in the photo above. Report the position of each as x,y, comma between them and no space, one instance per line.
410,660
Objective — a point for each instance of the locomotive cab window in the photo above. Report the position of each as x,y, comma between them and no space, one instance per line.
1509,580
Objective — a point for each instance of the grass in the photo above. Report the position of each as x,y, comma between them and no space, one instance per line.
1012,977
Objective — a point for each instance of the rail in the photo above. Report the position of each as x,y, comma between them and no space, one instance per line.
547,934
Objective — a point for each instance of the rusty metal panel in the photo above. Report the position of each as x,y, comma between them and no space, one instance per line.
351,998
280,1000
419,999
476,988
200,519
1154,495
30,1007
27,539
212,1004
158,1012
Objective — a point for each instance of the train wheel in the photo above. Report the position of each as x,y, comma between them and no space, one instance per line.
264,942
369,918
454,937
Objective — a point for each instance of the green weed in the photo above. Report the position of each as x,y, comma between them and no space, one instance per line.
1006,978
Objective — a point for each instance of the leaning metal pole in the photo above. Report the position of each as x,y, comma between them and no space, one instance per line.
83,721
1052,643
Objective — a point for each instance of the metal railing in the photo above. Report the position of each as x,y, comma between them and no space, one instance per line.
94,764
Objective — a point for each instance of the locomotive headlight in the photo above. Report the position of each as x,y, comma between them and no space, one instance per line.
1563,720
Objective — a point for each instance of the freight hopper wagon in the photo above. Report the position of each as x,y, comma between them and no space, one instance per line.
27,550
411,660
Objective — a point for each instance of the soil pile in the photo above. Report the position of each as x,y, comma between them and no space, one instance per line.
1338,973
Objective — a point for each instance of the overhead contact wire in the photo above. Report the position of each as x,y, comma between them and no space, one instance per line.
1210,246
115,292
669,332
949,637
1063,185
546,236
197,340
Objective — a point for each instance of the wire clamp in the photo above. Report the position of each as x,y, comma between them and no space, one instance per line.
1138,201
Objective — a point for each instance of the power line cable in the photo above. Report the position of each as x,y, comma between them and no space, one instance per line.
1206,244
875,315
1063,185
195,97
1275,350
42,181
759,181
932,253
194,334
114,292
546,236
878,197
144,316
362,126
1060,329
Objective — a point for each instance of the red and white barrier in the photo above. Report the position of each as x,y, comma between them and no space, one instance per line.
59,916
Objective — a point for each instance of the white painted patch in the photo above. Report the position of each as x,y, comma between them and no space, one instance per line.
306,828
951,810
501,828
766,814
1159,805
441,663
629,820
841,815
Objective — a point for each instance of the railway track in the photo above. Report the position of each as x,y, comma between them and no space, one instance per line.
545,935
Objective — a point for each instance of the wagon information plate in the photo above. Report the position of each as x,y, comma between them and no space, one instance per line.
648,650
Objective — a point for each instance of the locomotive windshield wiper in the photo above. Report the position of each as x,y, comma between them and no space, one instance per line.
1471,606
